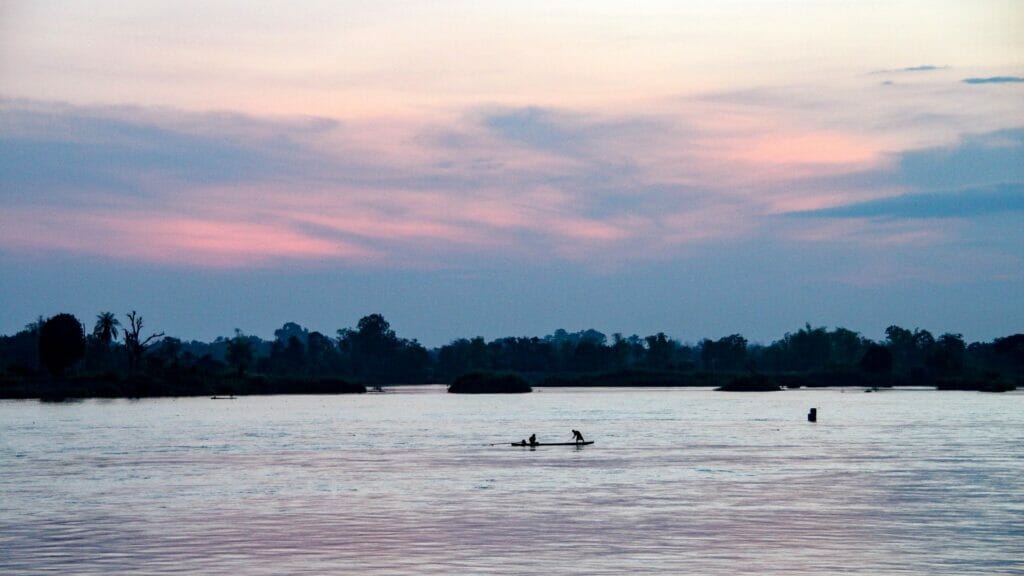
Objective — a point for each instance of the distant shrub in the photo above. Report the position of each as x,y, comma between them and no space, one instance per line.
489,383
630,378
750,383
981,384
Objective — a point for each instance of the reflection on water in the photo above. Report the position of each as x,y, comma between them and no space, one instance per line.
679,481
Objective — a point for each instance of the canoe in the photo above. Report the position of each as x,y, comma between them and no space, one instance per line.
523,444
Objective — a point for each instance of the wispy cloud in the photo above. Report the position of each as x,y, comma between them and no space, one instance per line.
49,149
528,182
985,158
976,176
517,183
994,80
921,68
162,237
958,204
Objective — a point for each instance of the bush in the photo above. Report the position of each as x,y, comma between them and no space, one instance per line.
61,343
750,383
488,383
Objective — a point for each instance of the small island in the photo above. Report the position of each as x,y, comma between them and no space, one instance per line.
489,383
750,383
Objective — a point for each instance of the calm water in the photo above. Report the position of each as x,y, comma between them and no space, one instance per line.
678,482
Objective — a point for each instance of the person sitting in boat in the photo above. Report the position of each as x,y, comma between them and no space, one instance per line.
533,439
577,436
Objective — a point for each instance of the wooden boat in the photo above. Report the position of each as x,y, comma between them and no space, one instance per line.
527,444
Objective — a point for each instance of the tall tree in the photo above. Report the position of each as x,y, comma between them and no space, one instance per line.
1011,350
368,346
321,354
61,343
728,353
847,346
133,340
659,350
877,359
947,355
239,353
106,327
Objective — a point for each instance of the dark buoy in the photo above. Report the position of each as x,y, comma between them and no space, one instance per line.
812,416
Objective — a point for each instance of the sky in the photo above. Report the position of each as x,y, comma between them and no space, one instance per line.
508,169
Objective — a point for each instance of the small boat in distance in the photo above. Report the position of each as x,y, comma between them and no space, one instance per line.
527,444
232,397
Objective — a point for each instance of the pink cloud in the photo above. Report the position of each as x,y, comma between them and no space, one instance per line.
169,239
592,186
807,148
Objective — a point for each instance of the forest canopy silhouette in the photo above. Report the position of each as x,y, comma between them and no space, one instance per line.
55,358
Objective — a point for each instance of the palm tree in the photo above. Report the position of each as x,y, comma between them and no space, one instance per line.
106,327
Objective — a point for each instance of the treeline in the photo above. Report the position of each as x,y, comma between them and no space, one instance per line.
56,357
808,357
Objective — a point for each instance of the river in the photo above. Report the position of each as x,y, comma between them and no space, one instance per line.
416,481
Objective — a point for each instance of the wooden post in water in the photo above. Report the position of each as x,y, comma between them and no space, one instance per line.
812,416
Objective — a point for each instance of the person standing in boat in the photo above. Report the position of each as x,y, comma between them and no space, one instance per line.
577,436
533,439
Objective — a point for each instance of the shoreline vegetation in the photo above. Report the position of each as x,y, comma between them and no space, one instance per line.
55,358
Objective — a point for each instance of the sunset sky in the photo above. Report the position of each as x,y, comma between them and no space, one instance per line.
499,169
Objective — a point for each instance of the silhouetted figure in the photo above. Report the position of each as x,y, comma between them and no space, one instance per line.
577,436
533,439
812,416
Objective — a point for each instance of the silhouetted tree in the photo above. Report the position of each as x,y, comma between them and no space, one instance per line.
620,351
410,363
368,345
289,330
508,355
169,351
99,353
659,351
877,359
321,354
588,355
847,346
947,355
19,354
461,356
61,343
373,352
134,343
106,327
900,342
728,353
811,347
35,326
239,352
295,355
909,349
1011,350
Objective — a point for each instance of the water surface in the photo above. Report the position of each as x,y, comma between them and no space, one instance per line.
679,481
